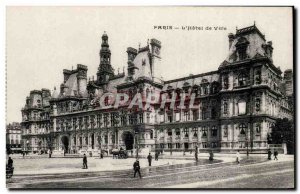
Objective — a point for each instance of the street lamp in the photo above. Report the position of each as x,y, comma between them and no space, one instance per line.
136,132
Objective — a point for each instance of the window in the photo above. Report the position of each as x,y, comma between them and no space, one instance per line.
242,79
162,118
204,145
257,128
177,115
225,131
177,145
105,120
141,118
214,131
242,107
169,145
226,82
148,117
205,89
225,107
195,132
170,117
186,115
177,132
195,115
258,77
169,132
151,134
74,124
204,132
123,119
186,132
242,128
205,113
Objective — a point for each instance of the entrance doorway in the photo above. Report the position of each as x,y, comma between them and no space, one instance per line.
128,140
65,142
186,146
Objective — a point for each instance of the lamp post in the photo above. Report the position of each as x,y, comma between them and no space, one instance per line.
136,132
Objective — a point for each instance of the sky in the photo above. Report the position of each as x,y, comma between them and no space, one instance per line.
42,41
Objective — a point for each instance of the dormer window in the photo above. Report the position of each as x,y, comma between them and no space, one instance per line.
241,47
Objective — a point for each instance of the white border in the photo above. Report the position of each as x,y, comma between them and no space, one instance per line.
5,3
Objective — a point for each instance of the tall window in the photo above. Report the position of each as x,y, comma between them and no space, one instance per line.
105,120
186,115
170,117
242,107
195,115
123,119
98,123
242,79
186,132
169,132
195,132
226,82
204,132
225,107
257,128
214,131
177,132
148,117
141,118
242,128
225,131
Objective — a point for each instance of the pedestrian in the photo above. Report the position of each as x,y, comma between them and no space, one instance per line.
275,155
196,153
136,168
211,155
23,154
85,166
269,154
131,153
50,153
238,157
149,159
101,155
10,162
156,156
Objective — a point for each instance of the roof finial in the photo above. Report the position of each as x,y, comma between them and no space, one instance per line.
254,22
236,28
72,67
123,69
139,45
148,41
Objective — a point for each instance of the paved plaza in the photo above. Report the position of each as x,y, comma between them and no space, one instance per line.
181,171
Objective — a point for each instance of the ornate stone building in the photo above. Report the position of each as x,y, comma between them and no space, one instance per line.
236,105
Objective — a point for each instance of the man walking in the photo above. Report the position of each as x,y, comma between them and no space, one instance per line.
238,157
10,162
136,168
196,153
275,155
85,166
149,159
269,154
156,156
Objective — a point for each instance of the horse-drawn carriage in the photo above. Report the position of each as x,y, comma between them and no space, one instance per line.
119,154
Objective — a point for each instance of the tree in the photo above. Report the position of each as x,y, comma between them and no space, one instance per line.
283,132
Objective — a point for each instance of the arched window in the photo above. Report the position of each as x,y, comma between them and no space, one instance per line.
151,134
195,132
242,79
186,132
242,128
204,132
257,128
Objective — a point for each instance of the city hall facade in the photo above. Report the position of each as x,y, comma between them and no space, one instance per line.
238,104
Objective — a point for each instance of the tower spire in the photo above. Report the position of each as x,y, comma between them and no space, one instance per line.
105,70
